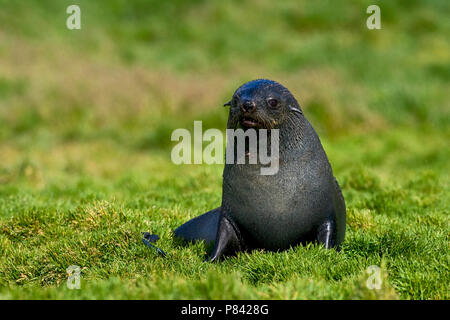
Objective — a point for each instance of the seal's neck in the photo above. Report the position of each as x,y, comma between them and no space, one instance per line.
293,131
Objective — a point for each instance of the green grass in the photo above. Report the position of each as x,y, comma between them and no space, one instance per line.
85,124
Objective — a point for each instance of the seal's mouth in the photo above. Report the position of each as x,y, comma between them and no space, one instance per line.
249,122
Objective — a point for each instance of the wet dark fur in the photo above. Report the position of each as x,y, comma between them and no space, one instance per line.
301,203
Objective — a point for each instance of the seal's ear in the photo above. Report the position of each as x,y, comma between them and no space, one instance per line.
294,109
227,104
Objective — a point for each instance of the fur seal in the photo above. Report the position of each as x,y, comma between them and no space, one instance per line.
301,203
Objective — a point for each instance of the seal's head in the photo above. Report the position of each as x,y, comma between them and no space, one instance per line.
261,104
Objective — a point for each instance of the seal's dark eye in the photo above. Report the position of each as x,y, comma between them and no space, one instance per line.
272,102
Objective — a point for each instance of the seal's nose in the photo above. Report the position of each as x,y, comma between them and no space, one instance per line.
248,106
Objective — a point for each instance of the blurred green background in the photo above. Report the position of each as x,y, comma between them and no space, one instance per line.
85,123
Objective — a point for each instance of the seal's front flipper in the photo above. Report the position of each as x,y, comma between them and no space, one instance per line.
326,234
203,227
228,240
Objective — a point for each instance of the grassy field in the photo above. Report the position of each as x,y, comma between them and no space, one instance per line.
85,124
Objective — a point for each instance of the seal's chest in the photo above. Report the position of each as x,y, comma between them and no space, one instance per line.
248,191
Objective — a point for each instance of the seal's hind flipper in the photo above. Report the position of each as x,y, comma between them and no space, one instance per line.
203,227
